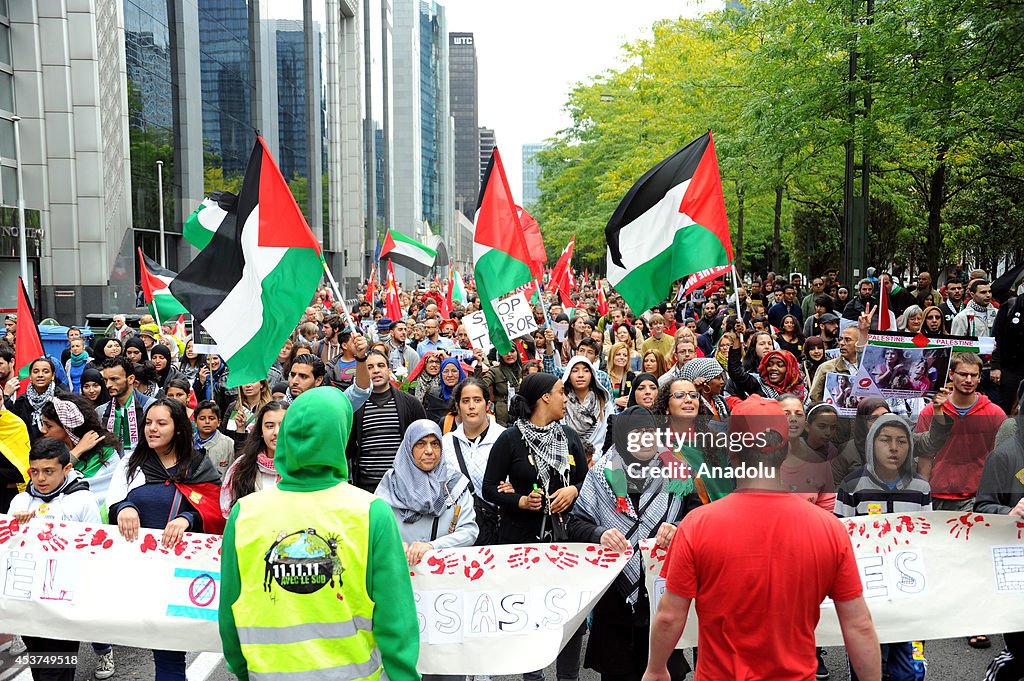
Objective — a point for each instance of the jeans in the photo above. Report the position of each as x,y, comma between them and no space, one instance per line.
567,664
102,648
169,664
897,662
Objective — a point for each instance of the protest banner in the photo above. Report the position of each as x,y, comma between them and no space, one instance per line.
476,328
929,575
901,372
516,315
903,339
482,610
839,393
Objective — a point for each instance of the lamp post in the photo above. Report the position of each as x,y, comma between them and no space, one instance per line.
22,241
160,204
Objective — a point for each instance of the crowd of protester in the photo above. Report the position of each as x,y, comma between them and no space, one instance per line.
473,447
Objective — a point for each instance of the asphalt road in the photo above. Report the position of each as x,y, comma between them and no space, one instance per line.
948,660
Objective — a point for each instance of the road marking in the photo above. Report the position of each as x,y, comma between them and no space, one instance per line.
202,666
25,674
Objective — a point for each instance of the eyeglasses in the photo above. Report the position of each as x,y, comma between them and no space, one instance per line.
688,394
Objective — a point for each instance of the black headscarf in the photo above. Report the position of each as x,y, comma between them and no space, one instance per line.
640,378
92,375
531,389
166,354
136,342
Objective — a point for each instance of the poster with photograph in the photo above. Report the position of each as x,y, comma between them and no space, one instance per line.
839,393
902,372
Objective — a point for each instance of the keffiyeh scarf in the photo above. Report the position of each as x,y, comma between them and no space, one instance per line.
549,449
582,416
36,400
69,416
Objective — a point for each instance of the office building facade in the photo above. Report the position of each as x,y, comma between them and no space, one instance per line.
462,84
107,88
531,174
488,140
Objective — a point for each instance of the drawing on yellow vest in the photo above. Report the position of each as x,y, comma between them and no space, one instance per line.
303,562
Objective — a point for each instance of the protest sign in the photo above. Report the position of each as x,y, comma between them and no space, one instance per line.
902,339
516,315
481,610
202,342
935,574
561,330
476,328
901,372
839,393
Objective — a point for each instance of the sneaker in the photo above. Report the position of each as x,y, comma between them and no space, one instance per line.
18,645
105,665
822,672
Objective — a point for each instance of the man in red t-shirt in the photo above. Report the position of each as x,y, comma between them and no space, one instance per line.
758,594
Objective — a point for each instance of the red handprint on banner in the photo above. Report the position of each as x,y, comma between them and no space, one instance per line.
99,540
523,557
475,568
50,541
561,557
443,563
8,529
962,525
603,557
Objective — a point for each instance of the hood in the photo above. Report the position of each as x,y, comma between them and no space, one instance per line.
136,342
311,445
907,469
983,402
595,385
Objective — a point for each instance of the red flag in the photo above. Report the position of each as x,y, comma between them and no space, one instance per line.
370,286
27,344
534,242
886,319
602,300
561,276
394,306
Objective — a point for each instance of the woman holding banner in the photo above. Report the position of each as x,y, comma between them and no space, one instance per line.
545,464
623,501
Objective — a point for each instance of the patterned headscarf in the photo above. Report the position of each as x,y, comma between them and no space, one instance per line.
69,416
413,492
790,379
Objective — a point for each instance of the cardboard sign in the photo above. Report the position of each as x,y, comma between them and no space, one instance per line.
476,327
516,315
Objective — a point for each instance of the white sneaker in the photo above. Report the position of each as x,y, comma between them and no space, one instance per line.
18,645
105,666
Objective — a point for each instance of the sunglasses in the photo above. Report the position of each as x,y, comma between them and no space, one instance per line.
689,394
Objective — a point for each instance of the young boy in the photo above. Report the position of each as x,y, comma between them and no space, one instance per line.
56,491
218,446
886,483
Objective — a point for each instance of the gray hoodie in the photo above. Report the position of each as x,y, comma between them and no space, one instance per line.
863,492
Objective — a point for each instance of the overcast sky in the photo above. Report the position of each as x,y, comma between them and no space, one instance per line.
530,53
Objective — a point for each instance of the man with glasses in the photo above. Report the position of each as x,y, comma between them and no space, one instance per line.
852,341
433,339
807,305
684,352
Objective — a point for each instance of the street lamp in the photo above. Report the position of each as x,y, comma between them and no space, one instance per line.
160,204
22,242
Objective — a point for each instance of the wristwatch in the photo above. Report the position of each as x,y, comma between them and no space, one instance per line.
361,359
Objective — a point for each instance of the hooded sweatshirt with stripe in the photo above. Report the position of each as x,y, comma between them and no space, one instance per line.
863,492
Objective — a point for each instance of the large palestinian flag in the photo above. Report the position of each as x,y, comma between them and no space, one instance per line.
156,290
671,224
28,346
407,252
501,259
250,285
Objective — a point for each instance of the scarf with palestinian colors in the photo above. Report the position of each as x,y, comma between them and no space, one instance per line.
124,422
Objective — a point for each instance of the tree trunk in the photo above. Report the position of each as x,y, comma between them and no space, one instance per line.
936,202
776,245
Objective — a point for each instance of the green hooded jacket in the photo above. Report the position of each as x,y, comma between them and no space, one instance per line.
311,457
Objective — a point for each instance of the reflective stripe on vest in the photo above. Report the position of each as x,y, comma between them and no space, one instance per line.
303,611
303,632
346,672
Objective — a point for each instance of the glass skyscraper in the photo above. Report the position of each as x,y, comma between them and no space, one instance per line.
531,173
462,83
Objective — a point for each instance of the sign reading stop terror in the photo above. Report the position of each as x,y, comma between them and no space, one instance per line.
515,314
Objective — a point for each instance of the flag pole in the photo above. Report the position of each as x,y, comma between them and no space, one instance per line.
736,290
543,305
337,294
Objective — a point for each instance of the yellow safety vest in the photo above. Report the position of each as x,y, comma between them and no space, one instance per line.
303,606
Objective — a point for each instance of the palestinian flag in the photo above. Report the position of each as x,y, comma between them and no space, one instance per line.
204,221
28,346
671,224
392,302
457,287
407,252
250,286
156,290
534,242
501,260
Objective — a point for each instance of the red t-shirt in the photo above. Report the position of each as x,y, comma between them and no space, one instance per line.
759,564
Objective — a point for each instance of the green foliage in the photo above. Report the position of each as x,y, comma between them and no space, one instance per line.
936,105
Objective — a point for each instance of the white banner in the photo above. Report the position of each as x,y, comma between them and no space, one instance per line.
482,610
516,315
476,328
938,574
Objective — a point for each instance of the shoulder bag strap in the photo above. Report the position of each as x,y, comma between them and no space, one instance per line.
462,463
